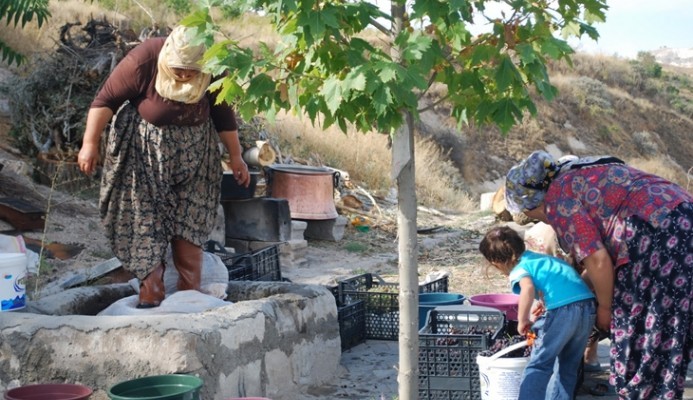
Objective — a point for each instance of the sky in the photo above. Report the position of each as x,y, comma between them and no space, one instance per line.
641,25
631,26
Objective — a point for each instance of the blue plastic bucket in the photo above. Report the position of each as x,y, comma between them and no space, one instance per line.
429,301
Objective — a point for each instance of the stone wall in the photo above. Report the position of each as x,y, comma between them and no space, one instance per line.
275,339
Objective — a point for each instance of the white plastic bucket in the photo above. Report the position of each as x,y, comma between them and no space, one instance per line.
499,378
12,288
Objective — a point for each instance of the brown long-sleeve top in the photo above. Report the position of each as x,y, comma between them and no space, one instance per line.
134,78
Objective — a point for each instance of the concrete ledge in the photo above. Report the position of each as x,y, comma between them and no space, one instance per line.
275,338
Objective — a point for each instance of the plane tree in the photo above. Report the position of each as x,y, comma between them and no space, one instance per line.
489,56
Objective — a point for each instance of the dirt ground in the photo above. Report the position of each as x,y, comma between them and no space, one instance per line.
447,244
76,243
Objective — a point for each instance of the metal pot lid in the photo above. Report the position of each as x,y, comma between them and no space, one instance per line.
300,169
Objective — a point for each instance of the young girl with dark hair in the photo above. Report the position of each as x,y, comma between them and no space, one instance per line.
562,331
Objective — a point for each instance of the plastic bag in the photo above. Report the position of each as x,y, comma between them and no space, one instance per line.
16,244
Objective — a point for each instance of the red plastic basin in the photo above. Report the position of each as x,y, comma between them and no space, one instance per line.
505,302
49,391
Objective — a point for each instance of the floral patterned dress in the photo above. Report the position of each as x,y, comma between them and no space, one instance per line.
159,183
646,225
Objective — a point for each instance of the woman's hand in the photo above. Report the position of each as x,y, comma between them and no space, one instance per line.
240,171
88,158
603,318
236,163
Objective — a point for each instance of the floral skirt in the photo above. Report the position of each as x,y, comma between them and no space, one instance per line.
652,324
159,183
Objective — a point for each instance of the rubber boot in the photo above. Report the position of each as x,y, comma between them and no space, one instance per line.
152,290
187,258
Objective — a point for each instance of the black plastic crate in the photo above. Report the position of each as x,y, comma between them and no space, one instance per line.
352,320
258,265
352,324
448,346
381,301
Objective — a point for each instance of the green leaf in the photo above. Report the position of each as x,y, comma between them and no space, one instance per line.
230,90
382,99
505,114
261,86
355,81
388,72
332,92
571,29
507,74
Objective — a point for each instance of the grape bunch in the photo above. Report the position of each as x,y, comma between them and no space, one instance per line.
468,330
501,343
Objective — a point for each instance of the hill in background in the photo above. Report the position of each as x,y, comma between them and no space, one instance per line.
639,110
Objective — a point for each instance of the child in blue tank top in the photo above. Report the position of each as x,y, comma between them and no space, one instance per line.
562,331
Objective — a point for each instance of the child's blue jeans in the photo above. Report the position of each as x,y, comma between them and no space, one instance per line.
562,335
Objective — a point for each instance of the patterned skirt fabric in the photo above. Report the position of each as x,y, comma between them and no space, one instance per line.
158,183
652,323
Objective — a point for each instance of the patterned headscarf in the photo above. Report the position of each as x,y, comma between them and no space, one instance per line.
178,52
527,182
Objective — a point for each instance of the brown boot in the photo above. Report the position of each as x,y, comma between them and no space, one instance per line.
152,290
188,260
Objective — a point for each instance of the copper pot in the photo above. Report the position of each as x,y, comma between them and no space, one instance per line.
309,190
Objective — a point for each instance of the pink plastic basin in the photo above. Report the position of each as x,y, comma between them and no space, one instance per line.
49,391
505,302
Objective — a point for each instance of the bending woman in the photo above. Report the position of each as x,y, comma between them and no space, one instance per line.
633,232
162,167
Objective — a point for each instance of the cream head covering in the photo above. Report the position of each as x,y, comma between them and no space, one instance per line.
178,52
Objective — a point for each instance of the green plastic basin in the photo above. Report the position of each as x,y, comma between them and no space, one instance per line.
158,387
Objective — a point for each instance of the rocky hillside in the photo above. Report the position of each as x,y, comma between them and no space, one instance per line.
641,111
675,57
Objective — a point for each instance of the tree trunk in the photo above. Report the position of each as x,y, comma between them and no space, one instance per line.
403,168
403,172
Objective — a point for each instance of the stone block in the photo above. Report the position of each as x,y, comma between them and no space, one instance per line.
486,201
298,229
260,218
326,229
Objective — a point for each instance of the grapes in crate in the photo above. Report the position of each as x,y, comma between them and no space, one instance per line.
469,330
501,343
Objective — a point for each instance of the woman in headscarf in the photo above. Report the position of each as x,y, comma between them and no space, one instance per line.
633,233
162,168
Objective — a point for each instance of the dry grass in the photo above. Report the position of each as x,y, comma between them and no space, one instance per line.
364,156
368,160
437,182
254,30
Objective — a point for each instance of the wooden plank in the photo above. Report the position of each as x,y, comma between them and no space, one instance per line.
21,214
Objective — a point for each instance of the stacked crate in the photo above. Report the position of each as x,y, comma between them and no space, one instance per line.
258,265
381,302
448,346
